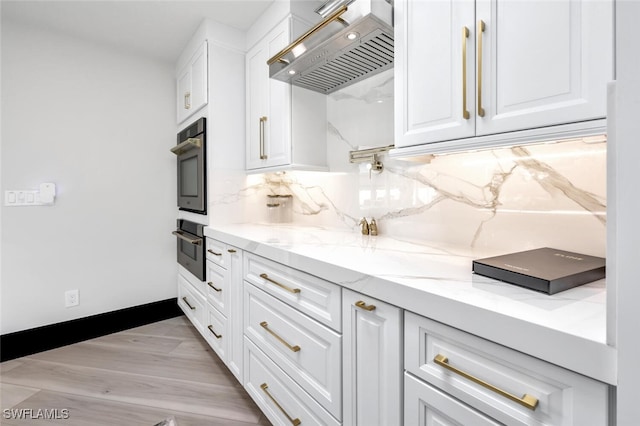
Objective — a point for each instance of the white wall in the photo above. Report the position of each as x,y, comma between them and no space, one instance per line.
99,123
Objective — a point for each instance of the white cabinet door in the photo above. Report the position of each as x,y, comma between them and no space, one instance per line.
543,62
268,105
434,103
192,84
372,378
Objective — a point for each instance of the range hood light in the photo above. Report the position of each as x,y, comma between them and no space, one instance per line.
298,50
352,36
292,72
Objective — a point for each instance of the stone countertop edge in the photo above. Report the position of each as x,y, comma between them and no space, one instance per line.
561,344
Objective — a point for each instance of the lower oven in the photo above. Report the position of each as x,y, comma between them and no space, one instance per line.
191,247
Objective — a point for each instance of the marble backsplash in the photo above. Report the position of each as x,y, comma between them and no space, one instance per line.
491,201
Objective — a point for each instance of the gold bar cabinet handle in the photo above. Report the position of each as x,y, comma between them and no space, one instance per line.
360,304
289,289
187,100
333,17
214,253
526,401
193,308
218,336
231,250
465,36
294,422
481,28
265,325
263,155
210,284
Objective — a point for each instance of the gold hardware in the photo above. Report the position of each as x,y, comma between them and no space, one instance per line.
373,227
231,250
289,289
218,336
194,241
360,304
334,16
186,145
263,155
210,284
294,422
265,325
193,308
364,226
481,28
187,100
526,401
214,253
465,36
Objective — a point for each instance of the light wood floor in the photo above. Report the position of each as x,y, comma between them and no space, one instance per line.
136,377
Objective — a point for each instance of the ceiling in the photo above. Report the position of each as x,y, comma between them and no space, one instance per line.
156,28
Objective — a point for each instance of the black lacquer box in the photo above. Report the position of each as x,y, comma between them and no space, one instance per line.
545,269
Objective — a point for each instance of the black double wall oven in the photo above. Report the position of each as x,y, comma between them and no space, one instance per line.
191,247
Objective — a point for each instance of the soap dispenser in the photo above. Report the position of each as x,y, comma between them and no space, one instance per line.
364,226
373,227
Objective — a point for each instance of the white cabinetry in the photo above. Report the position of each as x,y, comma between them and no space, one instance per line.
192,87
504,385
286,126
473,68
372,361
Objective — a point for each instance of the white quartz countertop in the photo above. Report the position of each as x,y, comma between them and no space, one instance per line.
567,329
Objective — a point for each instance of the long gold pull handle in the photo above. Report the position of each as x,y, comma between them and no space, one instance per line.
289,289
360,304
465,36
263,155
527,400
294,422
481,28
218,336
210,284
187,100
333,17
214,253
193,308
265,325
194,241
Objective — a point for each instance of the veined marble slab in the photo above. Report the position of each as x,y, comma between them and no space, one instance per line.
435,280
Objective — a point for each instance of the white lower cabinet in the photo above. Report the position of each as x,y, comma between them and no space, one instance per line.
372,361
216,333
425,405
503,384
191,302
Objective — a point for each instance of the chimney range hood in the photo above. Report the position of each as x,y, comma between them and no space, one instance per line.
354,41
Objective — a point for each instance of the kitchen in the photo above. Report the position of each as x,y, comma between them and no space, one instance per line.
123,206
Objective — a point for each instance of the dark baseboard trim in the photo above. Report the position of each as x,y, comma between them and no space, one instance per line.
27,342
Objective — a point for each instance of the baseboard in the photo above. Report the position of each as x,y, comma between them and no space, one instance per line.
27,342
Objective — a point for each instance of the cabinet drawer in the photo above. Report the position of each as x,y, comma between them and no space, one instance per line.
217,252
191,302
563,397
426,405
306,350
217,287
313,296
279,397
216,332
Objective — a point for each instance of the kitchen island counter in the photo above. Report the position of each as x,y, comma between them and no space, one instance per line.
567,329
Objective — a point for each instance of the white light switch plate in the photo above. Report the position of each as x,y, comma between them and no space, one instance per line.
27,197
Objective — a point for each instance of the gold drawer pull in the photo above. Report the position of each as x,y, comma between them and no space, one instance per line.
231,250
265,325
210,284
526,401
218,336
193,308
360,304
289,289
465,36
294,422
214,253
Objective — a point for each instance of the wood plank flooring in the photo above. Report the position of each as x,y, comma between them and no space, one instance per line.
136,377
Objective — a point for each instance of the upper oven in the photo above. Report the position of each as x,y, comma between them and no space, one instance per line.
192,165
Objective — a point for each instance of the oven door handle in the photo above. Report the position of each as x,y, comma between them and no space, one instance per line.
194,241
186,145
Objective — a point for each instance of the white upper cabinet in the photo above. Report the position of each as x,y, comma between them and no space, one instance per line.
475,68
286,126
192,87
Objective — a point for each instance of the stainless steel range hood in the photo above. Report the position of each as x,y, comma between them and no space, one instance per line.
338,52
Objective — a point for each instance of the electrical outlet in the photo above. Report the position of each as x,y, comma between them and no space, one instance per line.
71,298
